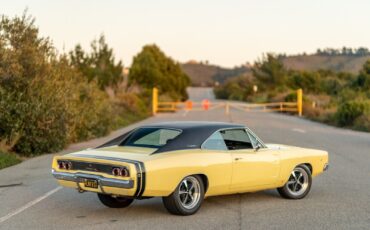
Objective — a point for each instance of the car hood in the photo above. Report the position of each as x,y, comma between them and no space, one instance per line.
289,148
279,146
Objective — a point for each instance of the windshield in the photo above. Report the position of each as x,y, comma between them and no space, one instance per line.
151,137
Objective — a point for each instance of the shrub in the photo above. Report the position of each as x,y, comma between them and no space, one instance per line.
239,88
332,85
348,112
362,123
130,107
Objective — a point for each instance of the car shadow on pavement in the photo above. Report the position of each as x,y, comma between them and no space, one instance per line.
228,202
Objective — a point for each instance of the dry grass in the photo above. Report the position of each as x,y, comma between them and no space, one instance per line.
8,159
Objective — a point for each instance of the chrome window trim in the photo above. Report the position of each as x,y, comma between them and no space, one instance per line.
250,132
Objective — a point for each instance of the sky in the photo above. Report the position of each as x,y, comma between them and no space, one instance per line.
226,33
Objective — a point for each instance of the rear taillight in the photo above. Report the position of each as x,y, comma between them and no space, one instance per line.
65,165
68,165
116,171
125,172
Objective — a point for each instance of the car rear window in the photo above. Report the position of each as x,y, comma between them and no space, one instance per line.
151,137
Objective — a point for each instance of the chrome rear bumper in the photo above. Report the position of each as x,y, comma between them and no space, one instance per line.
102,181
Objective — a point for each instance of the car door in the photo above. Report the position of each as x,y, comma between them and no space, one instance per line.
253,164
220,170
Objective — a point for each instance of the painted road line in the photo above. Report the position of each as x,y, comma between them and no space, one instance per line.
29,204
299,130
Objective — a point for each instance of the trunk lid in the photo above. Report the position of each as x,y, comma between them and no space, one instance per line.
124,152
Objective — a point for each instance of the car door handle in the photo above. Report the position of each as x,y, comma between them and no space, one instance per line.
238,158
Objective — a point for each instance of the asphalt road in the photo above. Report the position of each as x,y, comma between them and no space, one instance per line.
339,199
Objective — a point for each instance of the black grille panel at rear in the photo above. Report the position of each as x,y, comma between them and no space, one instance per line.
92,167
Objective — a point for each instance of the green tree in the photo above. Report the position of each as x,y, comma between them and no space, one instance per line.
308,81
44,102
152,68
270,71
99,65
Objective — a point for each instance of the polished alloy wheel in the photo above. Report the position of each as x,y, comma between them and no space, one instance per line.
189,192
187,197
298,181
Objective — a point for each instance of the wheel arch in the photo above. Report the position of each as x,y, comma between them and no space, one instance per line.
287,169
308,165
202,176
204,180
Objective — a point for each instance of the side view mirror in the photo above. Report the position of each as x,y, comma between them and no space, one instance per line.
258,147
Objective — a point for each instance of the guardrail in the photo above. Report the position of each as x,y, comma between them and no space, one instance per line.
169,106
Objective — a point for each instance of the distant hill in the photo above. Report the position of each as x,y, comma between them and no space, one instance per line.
337,63
207,75
202,74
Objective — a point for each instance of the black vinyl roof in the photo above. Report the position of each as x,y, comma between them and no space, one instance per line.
193,134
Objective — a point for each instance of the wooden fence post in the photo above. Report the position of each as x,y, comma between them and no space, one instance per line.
227,108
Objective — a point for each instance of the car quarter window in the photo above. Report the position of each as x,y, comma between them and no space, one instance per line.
215,142
253,139
236,139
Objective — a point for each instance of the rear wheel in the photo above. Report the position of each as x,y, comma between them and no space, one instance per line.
115,202
298,185
187,198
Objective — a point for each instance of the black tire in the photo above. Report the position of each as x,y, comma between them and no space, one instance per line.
176,203
298,184
115,202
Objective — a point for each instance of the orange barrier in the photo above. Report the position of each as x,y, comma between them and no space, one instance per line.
206,104
188,105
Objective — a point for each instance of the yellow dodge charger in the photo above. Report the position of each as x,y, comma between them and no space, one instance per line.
184,162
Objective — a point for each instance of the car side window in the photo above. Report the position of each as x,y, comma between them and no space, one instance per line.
236,139
215,142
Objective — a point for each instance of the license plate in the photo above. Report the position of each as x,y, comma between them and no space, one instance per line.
91,183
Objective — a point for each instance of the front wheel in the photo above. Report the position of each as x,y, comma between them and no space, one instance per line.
187,198
114,202
298,185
